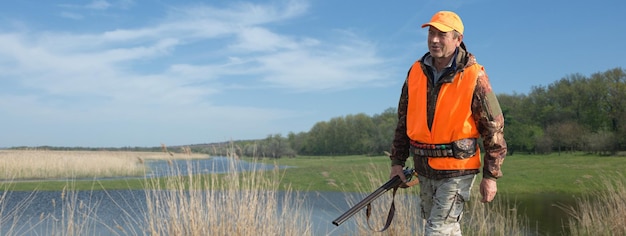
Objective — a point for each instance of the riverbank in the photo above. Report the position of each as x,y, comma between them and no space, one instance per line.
534,188
566,174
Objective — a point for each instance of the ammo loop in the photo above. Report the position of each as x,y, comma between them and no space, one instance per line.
432,150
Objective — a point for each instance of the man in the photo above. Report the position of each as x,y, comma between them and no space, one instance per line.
446,104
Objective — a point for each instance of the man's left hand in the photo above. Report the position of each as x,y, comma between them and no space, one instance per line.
488,189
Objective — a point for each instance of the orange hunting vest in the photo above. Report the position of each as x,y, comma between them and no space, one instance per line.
453,115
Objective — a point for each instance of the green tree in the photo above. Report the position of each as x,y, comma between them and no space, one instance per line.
385,126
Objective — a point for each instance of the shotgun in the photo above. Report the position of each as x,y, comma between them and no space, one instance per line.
392,183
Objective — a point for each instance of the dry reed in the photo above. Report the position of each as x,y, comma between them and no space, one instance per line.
479,219
236,204
249,204
46,164
9,217
600,213
500,217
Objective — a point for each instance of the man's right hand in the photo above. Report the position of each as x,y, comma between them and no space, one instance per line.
398,170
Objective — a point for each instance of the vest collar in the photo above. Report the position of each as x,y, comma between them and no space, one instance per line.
428,60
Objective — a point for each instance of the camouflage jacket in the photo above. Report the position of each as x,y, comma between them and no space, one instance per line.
486,111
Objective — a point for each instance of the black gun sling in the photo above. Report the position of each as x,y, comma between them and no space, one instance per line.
392,211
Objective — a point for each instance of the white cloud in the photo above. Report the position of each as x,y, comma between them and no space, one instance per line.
98,5
61,63
245,13
71,15
172,70
261,39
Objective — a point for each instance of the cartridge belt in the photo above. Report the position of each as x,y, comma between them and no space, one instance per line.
461,149
432,150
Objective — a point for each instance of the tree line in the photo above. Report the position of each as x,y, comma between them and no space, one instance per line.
576,113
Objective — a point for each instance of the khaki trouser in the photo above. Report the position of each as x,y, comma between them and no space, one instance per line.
442,203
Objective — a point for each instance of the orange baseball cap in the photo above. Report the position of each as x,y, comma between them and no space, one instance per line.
446,21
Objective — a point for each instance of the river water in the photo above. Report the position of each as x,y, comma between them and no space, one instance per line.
120,212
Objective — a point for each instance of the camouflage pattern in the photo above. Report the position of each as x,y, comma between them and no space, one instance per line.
442,203
464,148
486,111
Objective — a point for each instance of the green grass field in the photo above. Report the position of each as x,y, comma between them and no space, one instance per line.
565,173
562,174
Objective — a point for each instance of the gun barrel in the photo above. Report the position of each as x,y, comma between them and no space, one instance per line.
395,181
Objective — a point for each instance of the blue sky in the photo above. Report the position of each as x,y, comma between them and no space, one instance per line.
114,73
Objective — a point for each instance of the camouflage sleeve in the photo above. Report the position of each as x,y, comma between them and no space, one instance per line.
490,123
400,145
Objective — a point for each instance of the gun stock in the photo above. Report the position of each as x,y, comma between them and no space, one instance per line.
392,183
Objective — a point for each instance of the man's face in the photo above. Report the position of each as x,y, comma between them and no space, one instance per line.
442,44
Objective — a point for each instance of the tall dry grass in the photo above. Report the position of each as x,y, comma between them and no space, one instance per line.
13,221
406,220
495,218
47,164
600,213
500,217
78,217
249,203
245,203
9,216
237,203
